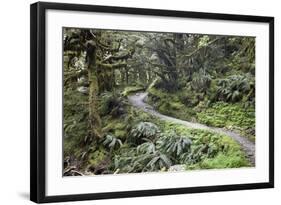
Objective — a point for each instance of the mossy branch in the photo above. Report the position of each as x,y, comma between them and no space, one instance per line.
112,66
198,49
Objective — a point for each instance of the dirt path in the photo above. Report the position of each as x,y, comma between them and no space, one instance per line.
138,100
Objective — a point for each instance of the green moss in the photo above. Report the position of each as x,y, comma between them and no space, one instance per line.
122,134
75,121
119,126
231,116
210,150
224,161
181,105
136,115
229,155
176,105
112,124
132,89
116,126
157,92
211,93
170,104
74,139
224,152
96,157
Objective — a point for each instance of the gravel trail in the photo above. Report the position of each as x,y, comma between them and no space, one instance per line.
138,100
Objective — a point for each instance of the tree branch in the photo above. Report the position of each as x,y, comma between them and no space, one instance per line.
198,49
112,66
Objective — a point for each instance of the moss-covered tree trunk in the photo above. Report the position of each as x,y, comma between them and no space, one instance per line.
94,118
127,75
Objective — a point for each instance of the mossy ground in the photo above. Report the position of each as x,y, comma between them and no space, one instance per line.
170,104
232,116
132,89
229,153
225,152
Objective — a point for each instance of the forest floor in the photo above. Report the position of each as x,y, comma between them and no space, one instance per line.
138,100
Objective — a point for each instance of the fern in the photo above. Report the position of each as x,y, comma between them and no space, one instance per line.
144,158
111,103
158,162
233,88
174,145
112,142
196,155
146,148
143,131
201,81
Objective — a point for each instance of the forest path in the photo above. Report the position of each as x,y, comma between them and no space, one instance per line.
138,100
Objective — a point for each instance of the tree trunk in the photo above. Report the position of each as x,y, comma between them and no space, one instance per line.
94,118
127,75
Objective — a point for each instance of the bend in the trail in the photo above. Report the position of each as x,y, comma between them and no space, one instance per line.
138,100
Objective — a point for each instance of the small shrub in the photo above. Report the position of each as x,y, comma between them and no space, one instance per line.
231,116
174,144
141,159
224,161
111,103
200,81
111,142
233,88
143,131
159,161
146,148
116,127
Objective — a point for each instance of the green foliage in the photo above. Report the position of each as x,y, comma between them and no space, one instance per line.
112,142
200,81
132,89
96,157
143,131
115,126
136,116
111,103
222,161
194,77
159,161
173,104
233,88
169,148
203,41
188,98
143,158
173,144
207,147
229,155
146,148
231,116
75,122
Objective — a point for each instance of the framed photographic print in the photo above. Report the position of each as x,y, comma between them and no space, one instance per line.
129,102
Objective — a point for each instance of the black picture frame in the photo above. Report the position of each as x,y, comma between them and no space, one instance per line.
38,101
